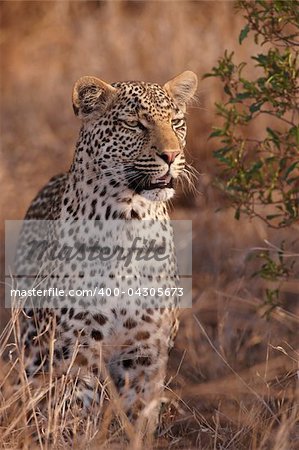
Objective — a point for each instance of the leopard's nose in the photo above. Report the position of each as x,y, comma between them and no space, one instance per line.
169,157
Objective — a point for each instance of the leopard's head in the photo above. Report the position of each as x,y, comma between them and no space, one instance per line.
136,131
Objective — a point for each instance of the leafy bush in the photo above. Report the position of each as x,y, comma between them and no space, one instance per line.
260,174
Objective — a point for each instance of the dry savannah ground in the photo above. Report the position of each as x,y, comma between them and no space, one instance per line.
232,381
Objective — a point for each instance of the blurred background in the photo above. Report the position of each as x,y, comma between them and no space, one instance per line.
45,48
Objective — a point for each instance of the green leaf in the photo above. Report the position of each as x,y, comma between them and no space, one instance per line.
207,75
216,132
222,151
294,131
274,136
243,95
227,89
256,166
261,59
293,180
243,33
291,168
255,107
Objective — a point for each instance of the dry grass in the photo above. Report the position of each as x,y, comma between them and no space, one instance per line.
233,375
232,384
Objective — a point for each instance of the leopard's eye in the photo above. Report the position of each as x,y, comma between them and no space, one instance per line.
133,124
177,123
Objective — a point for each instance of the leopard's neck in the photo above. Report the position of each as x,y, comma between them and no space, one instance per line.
98,200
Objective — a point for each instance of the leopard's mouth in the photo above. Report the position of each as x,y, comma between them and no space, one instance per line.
142,183
161,183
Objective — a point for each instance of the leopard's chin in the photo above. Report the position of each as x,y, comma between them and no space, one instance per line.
157,190
158,194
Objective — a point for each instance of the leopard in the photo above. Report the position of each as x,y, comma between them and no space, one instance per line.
129,157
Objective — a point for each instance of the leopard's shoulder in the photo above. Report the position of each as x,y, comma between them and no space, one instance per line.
47,203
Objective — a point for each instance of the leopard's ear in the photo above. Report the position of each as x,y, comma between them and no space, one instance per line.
90,95
182,87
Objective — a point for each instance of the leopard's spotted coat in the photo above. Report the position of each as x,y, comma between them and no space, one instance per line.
129,152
